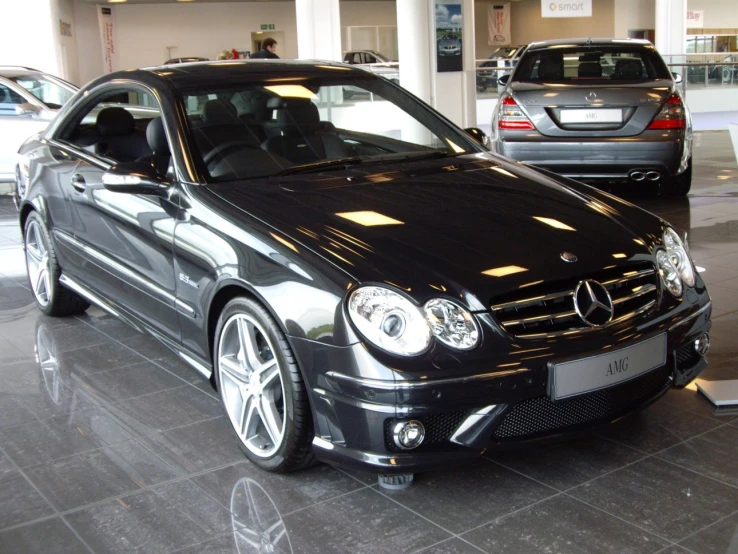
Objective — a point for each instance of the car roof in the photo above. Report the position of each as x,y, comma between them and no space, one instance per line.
12,71
227,72
560,43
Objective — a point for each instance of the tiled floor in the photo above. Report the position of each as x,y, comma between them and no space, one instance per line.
108,444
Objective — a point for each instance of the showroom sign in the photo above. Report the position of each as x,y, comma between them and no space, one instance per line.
106,19
498,24
695,18
449,28
583,8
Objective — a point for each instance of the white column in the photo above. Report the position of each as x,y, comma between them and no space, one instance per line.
29,36
671,27
318,30
453,93
416,47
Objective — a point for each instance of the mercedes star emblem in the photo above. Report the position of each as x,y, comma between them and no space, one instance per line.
591,97
592,303
568,257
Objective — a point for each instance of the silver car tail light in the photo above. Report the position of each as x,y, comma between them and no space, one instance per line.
512,117
671,116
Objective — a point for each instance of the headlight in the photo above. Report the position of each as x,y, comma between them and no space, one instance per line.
669,274
679,256
451,324
389,320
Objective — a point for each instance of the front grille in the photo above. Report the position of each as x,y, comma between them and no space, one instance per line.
540,415
438,428
547,309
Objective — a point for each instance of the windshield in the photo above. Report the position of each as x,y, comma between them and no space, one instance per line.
48,91
599,63
297,125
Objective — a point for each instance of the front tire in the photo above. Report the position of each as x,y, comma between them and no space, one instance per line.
261,388
44,272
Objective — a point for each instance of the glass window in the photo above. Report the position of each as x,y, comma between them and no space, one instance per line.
612,63
262,130
48,91
9,99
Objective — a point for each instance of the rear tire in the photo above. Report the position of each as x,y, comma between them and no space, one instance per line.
44,272
261,388
681,184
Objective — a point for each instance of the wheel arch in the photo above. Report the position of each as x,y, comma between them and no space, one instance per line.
225,293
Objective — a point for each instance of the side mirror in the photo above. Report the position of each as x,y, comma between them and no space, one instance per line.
677,77
503,79
135,178
478,135
27,109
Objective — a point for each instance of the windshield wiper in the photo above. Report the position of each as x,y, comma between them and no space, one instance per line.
319,166
422,155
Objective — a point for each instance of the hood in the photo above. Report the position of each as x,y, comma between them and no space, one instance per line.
472,227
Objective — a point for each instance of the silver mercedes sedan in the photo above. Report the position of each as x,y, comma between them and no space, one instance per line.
597,109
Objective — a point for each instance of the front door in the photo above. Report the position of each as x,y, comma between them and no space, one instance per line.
125,240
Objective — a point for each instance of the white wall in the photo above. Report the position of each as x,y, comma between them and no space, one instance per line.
65,46
89,49
368,13
633,14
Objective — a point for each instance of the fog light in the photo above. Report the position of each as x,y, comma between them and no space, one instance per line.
408,434
702,344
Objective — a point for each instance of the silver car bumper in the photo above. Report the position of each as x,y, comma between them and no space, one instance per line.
596,158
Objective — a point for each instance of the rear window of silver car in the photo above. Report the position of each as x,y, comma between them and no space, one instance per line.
598,63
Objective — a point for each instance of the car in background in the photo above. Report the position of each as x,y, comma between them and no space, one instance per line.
597,109
368,286
355,57
372,61
504,57
29,99
449,45
186,60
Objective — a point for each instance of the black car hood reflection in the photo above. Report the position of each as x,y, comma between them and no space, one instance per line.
461,225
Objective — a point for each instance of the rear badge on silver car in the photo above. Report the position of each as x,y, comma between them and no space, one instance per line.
569,257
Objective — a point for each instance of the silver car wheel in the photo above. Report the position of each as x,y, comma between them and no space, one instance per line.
251,385
37,262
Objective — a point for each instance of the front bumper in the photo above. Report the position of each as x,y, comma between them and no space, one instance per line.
464,417
597,158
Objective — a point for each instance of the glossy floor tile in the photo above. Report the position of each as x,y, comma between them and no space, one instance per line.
108,443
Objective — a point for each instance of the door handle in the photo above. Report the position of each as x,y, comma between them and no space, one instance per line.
78,182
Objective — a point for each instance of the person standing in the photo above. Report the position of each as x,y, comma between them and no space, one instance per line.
268,50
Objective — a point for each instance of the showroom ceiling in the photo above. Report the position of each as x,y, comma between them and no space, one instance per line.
204,1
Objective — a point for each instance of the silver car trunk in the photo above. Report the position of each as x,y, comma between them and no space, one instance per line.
591,108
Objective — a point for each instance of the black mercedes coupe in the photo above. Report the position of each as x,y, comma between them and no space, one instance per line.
362,281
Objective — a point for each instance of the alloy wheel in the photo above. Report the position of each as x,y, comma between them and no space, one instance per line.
251,385
37,261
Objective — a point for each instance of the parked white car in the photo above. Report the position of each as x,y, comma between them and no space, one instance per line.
29,99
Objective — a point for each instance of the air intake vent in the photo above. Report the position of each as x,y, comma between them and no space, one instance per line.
548,309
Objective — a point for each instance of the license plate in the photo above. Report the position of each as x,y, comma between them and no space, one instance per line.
591,116
567,379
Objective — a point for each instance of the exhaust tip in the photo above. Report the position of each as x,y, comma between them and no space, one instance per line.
637,175
653,175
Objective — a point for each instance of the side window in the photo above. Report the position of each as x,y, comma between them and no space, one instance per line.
9,99
370,59
114,126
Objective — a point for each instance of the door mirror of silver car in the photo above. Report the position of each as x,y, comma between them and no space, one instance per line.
677,77
138,177
27,109
478,135
503,79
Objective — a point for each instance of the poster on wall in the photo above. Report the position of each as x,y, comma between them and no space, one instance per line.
498,24
449,24
580,8
106,19
695,19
